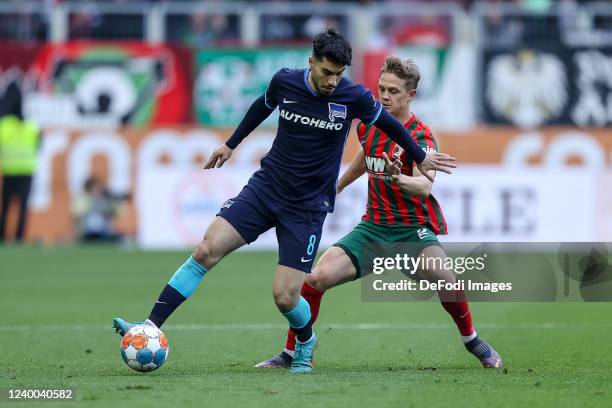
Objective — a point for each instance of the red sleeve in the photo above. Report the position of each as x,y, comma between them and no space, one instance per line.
425,138
361,130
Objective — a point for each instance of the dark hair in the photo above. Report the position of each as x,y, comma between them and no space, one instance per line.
91,182
11,101
333,46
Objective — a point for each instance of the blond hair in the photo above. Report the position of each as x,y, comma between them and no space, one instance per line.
403,69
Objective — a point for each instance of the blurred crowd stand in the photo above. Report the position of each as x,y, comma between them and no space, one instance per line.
215,23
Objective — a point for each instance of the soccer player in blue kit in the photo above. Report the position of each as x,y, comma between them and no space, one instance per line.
295,187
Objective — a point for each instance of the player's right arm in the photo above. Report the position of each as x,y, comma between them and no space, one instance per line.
417,184
355,170
426,161
257,113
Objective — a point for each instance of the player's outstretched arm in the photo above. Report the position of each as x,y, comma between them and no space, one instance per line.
355,170
257,113
426,160
436,161
219,156
417,184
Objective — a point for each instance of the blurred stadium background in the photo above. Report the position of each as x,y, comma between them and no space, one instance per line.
138,93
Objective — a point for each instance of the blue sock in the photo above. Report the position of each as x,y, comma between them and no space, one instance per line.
299,320
182,285
187,278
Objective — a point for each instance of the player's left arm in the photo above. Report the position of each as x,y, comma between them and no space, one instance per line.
257,113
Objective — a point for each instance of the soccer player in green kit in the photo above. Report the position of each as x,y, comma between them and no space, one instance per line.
400,208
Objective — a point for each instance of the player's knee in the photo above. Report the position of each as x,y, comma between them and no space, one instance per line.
319,279
434,275
204,254
285,300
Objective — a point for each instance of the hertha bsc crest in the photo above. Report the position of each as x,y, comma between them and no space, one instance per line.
336,110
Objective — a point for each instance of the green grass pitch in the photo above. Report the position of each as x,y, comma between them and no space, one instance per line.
56,307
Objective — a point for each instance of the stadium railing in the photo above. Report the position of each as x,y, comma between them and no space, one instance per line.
246,23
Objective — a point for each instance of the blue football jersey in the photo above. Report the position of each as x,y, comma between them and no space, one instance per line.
303,164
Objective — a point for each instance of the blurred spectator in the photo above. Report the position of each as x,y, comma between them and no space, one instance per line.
94,210
84,22
96,20
569,16
500,30
317,23
210,30
383,37
426,30
537,6
277,28
23,26
19,143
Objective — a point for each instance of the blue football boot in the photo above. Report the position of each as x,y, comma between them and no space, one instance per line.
121,326
303,356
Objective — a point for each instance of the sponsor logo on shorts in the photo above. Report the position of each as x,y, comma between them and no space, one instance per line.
423,233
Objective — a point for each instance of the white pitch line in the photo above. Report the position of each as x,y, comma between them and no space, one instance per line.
337,326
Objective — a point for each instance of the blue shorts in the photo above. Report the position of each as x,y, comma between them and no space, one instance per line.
298,231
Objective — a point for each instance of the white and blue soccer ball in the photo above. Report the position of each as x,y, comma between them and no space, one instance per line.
144,348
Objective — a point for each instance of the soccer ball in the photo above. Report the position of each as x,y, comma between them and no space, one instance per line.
144,348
